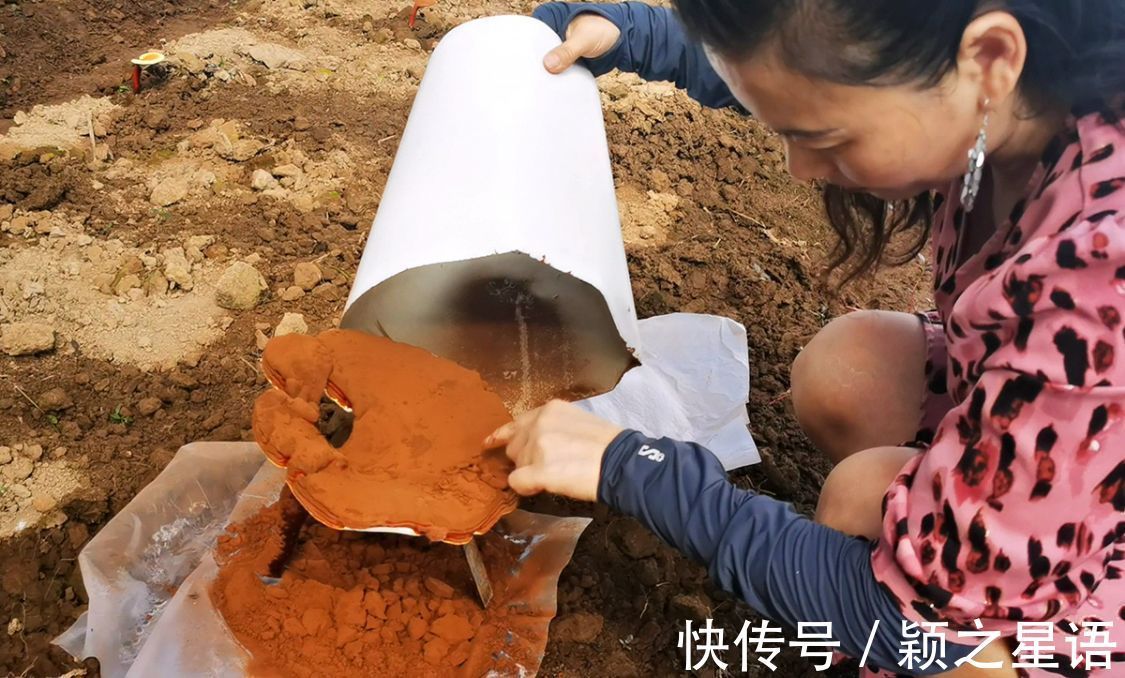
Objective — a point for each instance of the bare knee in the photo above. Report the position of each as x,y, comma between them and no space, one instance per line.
858,383
851,499
823,384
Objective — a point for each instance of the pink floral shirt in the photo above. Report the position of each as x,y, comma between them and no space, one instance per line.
1015,511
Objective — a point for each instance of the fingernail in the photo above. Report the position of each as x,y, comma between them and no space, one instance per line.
551,61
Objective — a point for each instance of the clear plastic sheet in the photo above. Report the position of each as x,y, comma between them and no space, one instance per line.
148,571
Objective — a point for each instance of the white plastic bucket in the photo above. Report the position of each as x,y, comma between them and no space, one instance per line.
497,242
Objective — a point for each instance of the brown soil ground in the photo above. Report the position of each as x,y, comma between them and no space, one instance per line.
712,222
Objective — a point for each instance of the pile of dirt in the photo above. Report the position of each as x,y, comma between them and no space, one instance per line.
413,457
146,307
34,491
351,604
51,127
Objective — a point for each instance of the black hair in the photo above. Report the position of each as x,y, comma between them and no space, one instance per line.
1075,61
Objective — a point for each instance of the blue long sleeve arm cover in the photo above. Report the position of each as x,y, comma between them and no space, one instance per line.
785,566
653,44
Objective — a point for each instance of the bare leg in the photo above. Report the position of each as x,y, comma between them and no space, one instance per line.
851,499
858,388
859,383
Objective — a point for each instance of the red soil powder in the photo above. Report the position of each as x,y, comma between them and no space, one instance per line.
363,604
414,457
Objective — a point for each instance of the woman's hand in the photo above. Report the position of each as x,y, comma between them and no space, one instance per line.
588,36
557,448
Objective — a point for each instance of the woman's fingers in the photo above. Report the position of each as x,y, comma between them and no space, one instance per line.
588,36
563,57
519,447
501,436
556,448
507,433
526,481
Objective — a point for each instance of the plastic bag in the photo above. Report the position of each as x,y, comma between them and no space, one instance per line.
147,572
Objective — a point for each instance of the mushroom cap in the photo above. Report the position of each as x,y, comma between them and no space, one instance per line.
149,58
413,463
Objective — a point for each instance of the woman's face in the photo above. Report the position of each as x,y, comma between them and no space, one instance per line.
892,142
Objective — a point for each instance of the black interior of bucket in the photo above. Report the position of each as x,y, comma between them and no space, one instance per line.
532,331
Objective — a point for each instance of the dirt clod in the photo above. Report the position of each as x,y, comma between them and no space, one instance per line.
27,338
439,588
694,607
452,628
240,287
580,627
169,191
19,469
307,275
263,181
148,406
177,270
637,542
54,400
286,170
77,534
44,503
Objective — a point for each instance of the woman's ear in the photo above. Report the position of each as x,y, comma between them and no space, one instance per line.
993,52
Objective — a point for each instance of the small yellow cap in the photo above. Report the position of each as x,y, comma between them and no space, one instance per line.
149,58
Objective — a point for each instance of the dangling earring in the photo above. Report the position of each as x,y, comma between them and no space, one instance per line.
970,187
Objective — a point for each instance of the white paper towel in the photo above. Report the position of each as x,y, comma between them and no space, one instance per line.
693,384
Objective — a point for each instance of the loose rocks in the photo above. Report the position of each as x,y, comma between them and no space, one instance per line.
240,287
27,338
54,400
291,323
148,406
307,275
177,269
169,191
263,180
19,469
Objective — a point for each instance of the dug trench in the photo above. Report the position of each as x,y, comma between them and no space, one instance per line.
712,225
